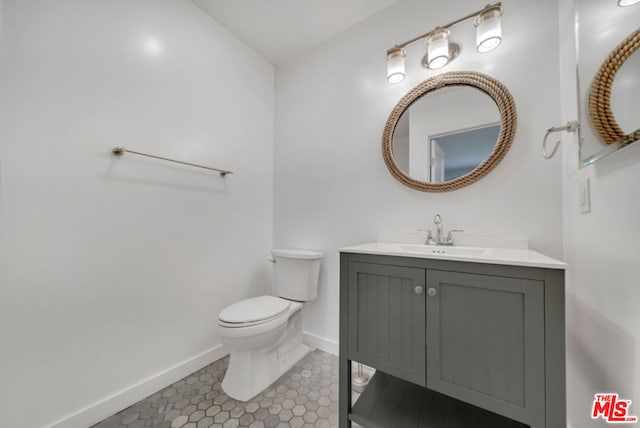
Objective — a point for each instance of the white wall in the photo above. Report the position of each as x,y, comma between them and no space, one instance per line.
601,247
331,185
114,270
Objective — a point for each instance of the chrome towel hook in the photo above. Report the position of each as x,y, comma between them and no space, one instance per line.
569,127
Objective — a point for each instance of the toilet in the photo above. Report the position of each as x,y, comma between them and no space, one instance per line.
264,334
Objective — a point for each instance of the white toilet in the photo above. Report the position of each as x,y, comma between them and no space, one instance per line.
264,334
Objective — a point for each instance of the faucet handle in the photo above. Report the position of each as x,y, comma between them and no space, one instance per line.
429,239
450,234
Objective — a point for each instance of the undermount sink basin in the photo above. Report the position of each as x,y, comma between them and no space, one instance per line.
451,251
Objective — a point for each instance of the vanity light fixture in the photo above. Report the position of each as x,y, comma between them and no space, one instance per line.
623,3
440,51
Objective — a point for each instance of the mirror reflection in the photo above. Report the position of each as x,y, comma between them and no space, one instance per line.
446,134
601,27
625,93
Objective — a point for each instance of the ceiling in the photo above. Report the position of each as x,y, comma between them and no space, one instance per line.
282,29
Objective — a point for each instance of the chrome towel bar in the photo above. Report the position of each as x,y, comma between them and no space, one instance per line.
120,151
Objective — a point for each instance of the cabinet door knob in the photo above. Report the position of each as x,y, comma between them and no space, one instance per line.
432,292
419,289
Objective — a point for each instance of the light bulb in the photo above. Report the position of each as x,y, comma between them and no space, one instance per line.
623,3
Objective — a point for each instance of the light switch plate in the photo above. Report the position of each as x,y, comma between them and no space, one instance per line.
584,196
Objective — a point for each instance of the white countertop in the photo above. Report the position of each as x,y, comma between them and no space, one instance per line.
500,256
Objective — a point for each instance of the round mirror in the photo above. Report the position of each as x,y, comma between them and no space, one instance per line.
449,131
614,93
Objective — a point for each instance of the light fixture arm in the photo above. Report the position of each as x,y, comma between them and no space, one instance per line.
447,26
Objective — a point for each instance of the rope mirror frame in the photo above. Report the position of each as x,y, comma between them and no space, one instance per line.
601,116
487,84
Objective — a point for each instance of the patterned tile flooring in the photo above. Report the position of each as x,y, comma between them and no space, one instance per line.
306,396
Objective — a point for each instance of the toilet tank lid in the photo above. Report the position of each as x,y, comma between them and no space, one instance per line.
298,254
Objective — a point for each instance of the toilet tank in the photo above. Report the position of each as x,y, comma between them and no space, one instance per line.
296,273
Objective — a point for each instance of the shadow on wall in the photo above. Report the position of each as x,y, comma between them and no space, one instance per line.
601,357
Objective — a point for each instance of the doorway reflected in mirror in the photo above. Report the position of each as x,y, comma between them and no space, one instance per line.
457,153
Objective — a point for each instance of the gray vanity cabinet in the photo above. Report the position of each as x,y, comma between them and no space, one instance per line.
387,319
484,341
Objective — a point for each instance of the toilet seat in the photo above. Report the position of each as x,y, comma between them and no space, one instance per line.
253,311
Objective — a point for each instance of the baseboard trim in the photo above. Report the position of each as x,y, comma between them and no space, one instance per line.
321,343
112,404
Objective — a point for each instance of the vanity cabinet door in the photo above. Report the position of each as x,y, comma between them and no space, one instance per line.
387,319
485,342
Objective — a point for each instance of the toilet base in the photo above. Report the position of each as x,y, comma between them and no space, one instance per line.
251,371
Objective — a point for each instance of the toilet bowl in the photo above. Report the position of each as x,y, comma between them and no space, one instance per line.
264,334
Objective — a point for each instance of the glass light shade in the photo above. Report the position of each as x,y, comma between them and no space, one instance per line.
488,30
438,52
395,65
623,3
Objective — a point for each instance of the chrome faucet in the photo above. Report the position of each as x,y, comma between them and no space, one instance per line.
438,222
439,238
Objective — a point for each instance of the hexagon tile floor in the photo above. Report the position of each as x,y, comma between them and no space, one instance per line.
306,396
